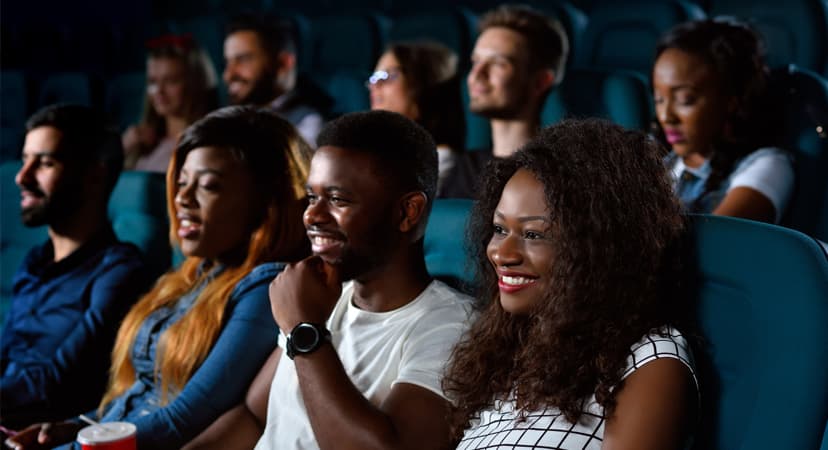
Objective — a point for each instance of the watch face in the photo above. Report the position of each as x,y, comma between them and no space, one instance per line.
305,337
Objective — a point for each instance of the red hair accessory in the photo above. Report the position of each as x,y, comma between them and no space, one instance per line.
181,42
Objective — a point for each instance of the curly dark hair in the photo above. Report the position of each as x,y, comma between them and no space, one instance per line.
618,234
736,54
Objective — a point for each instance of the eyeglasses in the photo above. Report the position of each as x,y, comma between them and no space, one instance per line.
381,77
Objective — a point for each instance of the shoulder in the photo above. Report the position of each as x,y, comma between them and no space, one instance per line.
769,171
259,277
120,259
122,252
775,155
461,181
440,304
664,342
477,159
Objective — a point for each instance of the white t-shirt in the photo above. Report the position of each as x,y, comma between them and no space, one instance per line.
768,170
411,344
498,428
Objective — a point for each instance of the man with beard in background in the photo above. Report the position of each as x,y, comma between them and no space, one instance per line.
261,69
71,292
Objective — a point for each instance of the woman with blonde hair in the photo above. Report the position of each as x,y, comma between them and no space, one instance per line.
182,87
187,351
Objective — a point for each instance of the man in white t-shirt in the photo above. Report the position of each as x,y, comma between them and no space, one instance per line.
358,365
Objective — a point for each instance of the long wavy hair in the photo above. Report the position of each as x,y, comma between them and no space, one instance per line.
278,162
736,54
200,79
617,232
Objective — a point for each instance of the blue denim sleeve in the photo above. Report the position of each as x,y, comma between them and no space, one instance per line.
84,350
248,338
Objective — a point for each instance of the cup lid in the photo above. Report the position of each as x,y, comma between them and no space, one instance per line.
105,432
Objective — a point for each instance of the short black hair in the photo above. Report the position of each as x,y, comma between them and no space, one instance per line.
405,150
87,137
276,35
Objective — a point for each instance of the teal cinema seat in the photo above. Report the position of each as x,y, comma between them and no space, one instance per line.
762,310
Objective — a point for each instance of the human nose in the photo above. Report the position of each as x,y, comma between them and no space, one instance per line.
316,213
25,175
476,72
505,252
665,112
185,197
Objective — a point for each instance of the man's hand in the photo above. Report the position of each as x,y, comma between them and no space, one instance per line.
44,435
304,292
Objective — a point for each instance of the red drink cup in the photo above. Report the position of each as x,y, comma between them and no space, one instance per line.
108,436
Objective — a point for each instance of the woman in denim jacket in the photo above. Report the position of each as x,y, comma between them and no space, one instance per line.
187,351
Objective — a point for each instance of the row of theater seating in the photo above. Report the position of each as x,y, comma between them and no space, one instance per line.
622,96
612,51
607,35
761,309
603,33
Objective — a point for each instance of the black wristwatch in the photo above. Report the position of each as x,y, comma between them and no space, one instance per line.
306,338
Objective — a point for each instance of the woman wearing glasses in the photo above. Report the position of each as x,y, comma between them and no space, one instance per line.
419,80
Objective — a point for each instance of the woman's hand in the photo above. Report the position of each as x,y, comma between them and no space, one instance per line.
44,435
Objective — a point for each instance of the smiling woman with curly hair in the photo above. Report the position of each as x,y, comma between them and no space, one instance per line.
576,239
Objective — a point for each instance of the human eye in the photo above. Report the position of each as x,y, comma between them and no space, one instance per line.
533,235
47,162
686,99
338,201
498,230
210,185
501,62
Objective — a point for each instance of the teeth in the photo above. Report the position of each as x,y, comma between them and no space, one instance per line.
185,223
516,280
322,241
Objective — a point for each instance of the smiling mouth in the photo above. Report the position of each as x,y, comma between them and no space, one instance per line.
27,198
188,229
325,245
516,281
509,284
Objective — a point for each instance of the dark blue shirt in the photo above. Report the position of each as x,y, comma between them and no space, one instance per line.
248,337
61,326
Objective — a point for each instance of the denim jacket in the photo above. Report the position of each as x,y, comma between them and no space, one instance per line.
247,339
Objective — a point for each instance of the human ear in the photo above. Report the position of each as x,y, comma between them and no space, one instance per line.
286,61
412,210
543,80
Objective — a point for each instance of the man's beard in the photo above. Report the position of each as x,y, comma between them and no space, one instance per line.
505,112
56,207
262,92
374,252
